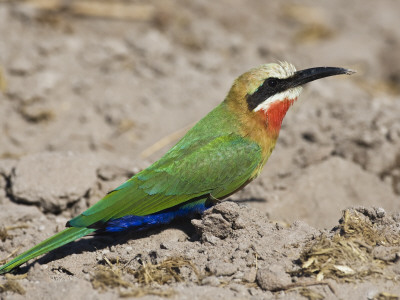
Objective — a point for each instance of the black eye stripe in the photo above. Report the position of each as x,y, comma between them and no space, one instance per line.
271,82
270,87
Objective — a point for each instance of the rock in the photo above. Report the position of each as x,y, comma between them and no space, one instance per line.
219,268
3,184
113,172
6,166
312,153
273,277
209,238
219,221
47,81
53,180
214,224
386,254
250,275
228,210
380,212
210,280
29,89
396,217
239,288
378,163
144,43
17,213
116,48
23,65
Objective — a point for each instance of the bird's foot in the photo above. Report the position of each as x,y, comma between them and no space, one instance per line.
214,200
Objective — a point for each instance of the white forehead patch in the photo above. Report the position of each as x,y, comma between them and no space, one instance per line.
282,70
289,94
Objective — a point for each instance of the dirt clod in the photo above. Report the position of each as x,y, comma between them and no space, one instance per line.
273,278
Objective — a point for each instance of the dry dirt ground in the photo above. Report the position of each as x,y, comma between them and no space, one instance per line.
92,93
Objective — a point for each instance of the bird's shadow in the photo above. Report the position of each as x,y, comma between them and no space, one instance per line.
252,199
92,243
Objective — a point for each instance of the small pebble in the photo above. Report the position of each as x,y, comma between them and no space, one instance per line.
241,289
380,212
211,280
250,275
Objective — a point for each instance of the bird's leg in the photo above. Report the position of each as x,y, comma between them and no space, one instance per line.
213,199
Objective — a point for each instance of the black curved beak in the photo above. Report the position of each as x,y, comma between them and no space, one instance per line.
307,75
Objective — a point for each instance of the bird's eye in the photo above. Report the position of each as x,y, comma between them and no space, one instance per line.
272,82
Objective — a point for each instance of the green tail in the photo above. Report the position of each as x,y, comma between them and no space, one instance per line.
57,240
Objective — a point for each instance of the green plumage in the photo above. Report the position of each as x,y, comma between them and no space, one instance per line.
210,159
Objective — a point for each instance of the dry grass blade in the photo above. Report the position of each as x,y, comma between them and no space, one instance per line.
386,296
16,277
164,272
310,294
113,9
3,81
122,10
313,32
12,286
111,276
303,14
4,231
108,277
3,261
104,278
347,255
141,292
36,115
4,234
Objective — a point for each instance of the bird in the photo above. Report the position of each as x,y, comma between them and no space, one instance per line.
221,154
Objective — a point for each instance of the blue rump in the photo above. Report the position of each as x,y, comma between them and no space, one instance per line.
162,217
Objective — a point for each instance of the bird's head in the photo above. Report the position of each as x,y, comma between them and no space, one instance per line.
266,93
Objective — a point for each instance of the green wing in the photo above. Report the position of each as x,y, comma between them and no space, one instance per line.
217,166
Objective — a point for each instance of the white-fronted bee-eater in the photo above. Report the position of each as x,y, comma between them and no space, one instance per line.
221,154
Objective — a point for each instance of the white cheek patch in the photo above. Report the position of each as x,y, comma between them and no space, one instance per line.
289,94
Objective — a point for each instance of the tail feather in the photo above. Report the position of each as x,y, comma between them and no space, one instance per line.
64,237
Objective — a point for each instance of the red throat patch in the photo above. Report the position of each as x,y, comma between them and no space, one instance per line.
275,113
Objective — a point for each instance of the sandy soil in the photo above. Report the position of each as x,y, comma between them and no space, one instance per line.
84,98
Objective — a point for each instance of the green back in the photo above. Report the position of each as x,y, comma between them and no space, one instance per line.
212,158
